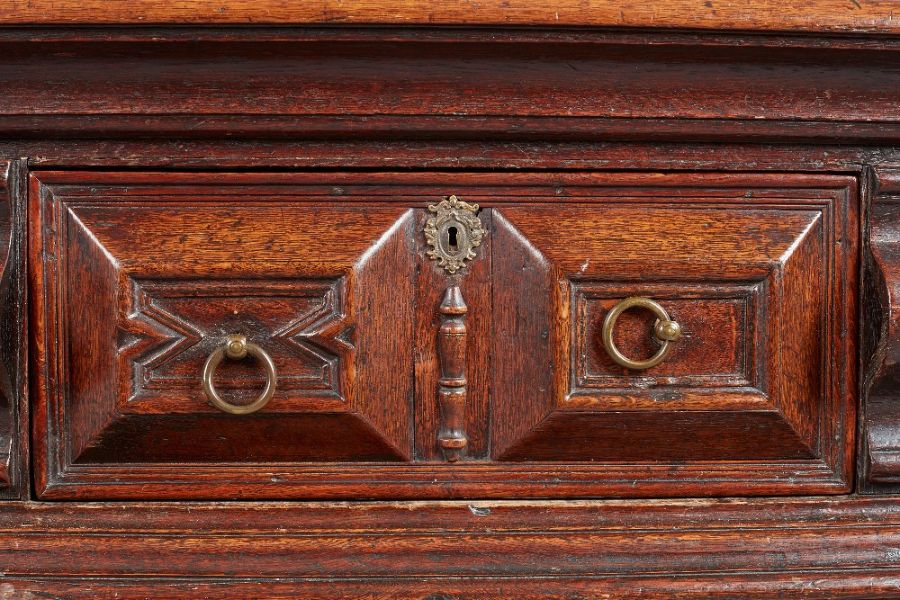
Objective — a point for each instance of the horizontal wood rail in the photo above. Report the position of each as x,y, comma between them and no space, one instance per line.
750,15
812,548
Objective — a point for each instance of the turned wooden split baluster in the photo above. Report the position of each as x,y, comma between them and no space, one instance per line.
881,333
452,384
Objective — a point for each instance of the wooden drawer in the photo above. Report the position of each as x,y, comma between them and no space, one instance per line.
138,277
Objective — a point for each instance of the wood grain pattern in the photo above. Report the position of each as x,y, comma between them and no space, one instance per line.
121,381
801,548
14,406
475,285
525,88
452,392
508,156
874,16
809,585
641,243
8,389
882,302
714,357
355,117
800,443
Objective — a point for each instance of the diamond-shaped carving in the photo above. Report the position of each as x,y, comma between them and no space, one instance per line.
321,333
146,294
168,327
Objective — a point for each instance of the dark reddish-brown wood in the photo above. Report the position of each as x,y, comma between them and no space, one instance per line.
474,282
882,304
763,549
451,396
782,423
8,371
757,166
551,86
14,475
770,254
153,284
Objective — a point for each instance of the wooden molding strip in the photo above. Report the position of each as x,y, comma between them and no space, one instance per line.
883,328
875,16
557,91
8,396
789,548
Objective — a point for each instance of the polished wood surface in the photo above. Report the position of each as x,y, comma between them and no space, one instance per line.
8,376
559,258
875,16
14,440
400,85
325,263
154,282
782,148
452,393
801,548
882,450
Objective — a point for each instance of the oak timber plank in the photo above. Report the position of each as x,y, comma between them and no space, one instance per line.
726,548
800,15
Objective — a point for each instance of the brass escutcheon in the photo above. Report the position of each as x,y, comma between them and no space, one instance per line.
666,331
236,347
454,232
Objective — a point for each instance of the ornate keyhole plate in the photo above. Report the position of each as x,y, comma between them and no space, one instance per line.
453,233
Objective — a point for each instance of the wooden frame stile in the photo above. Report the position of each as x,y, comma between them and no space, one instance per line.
131,100
14,409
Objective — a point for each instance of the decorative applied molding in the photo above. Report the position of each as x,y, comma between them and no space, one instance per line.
546,424
452,384
881,339
813,548
153,335
453,233
504,99
735,365
8,368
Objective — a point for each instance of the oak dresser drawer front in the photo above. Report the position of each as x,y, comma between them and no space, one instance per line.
747,284
396,373
146,286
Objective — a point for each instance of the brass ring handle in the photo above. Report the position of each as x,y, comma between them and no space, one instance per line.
666,331
237,347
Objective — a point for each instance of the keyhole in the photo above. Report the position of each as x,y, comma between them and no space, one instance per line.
451,239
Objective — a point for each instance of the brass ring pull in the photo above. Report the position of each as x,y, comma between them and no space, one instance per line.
666,331
237,347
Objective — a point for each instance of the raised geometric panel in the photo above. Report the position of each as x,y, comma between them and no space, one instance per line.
749,383
578,300
167,328
758,399
720,332
138,292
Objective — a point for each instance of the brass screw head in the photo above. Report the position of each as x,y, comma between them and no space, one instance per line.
669,331
236,346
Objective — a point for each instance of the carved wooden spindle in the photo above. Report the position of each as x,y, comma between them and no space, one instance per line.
452,384
881,332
